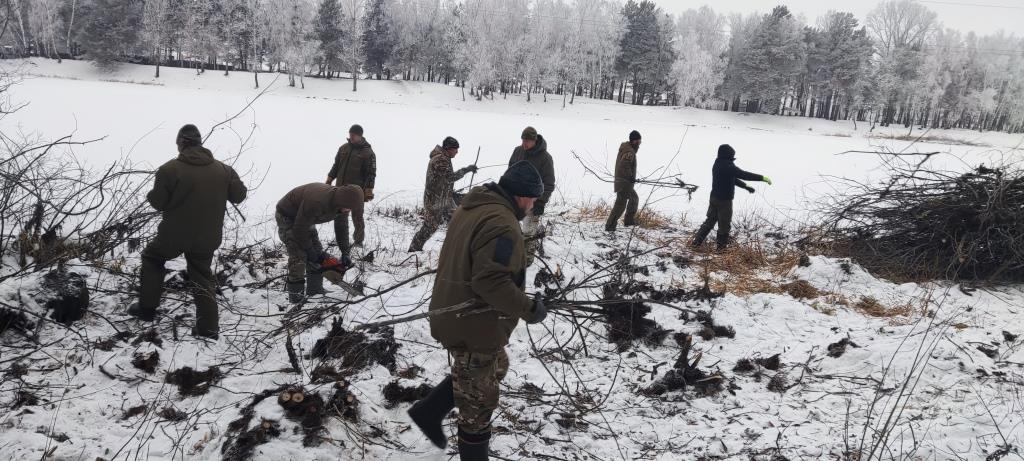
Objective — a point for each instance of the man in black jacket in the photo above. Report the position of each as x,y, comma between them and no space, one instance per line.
726,176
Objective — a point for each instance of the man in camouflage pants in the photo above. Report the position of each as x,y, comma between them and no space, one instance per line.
354,164
298,213
483,260
437,194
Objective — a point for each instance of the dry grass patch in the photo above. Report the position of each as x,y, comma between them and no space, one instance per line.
801,289
871,306
645,218
932,139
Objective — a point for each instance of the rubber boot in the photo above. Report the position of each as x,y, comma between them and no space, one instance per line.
296,292
429,413
315,284
474,447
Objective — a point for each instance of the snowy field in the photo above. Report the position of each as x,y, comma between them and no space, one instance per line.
944,365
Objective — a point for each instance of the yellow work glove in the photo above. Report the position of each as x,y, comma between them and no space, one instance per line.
767,180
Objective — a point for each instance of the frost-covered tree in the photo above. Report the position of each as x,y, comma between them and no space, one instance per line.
353,54
838,60
641,48
900,29
701,44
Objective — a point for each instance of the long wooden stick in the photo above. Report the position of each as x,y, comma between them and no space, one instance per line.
472,176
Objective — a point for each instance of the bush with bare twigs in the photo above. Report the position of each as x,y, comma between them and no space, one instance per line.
922,223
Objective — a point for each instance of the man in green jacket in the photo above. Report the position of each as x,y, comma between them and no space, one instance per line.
355,164
437,194
191,193
298,213
534,149
482,261
625,176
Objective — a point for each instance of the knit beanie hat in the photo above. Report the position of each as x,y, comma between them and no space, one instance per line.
189,136
522,180
450,143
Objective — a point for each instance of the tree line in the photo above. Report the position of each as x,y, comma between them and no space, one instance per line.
899,66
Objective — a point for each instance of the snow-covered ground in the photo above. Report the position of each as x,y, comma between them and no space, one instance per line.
570,394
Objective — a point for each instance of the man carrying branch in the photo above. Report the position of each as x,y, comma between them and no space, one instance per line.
726,176
437,194
298,213
483,259
625,177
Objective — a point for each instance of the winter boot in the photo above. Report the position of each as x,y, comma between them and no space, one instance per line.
315,284
474,447
136,311
429,413
296,292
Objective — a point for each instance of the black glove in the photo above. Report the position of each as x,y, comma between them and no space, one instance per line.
471,169
539,311
314,256
538,208
749,189
346,262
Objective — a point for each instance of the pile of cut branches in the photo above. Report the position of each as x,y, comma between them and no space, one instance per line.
925,223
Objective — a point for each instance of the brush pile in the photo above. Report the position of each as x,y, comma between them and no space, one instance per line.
921,223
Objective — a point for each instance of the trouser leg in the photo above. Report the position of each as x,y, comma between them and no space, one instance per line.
709,223
632,203
341,233
200,277
617,209
724,223
475,382
151,276
431,222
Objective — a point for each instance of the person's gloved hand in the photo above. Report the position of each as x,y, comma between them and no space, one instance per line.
538,208
368,195
472,169
539,312
315,256
767,180
749,189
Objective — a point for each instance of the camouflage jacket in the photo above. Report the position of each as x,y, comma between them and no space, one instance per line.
437,193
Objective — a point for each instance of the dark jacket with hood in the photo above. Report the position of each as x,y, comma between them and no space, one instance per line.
542,161
316,203
191,193
356,164
726,176
483,258
625,167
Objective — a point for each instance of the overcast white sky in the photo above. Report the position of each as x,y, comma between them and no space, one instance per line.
981,16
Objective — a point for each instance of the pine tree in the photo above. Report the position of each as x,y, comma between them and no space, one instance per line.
378,39
109,29
774,58
329,35
640,47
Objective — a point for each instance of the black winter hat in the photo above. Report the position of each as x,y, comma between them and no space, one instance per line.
522,180
356,129
634,135
450,143
189,136
529,133
726,151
